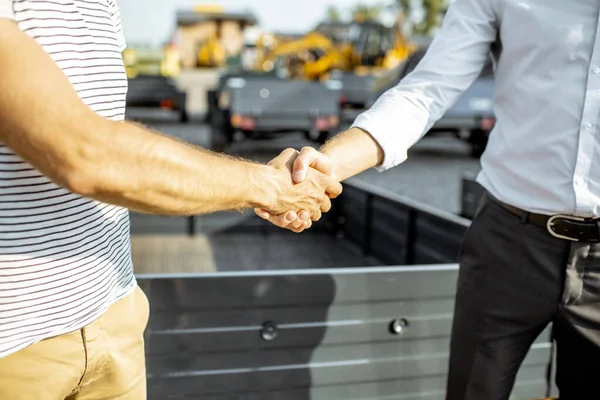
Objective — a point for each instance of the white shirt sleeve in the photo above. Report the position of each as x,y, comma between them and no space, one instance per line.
403,114
6,9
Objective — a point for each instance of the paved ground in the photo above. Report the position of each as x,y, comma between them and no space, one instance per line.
432,173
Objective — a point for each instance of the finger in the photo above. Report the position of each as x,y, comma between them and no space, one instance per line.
325,205
303,216
333,188
316,216
285,157
264,214
304,226
310,157
283,220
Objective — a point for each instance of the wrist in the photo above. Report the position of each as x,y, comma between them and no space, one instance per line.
263,187
337,166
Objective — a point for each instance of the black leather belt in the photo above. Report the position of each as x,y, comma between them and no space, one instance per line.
565,227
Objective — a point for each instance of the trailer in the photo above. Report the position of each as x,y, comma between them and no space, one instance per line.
261,106
157,92
358,307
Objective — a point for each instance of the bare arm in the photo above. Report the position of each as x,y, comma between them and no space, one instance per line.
43,120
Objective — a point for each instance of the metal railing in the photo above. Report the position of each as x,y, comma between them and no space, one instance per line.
395,229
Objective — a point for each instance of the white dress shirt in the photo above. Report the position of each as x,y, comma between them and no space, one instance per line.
544,152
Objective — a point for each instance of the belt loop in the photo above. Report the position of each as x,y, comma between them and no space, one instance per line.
525,217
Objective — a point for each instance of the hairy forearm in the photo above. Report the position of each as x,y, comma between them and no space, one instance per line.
43,120
352,152
150,172
125,164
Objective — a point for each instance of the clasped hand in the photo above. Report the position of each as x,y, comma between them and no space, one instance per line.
311,176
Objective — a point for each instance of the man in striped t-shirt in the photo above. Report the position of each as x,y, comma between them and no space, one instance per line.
71,314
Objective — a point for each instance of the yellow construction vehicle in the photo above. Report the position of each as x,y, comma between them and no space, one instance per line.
310,57
211,53
359,47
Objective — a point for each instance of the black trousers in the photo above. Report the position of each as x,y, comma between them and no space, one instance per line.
515,279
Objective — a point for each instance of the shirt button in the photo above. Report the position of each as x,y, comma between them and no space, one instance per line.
589,127
597,70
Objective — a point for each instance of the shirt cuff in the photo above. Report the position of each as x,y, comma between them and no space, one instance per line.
386,138
6,9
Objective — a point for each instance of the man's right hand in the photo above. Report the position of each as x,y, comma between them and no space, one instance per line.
311,196
304,164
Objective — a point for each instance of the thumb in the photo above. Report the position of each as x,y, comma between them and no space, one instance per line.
308,157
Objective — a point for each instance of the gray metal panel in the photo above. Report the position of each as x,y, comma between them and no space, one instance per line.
332,340
358,89
271,96
396,230
275,122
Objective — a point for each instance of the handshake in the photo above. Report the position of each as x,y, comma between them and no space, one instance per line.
305,184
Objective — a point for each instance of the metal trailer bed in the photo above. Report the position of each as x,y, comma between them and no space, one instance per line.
359,307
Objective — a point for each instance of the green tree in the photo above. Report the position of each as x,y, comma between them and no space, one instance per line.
364,12
334,14
433,14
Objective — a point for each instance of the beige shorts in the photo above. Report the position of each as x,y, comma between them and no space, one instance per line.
104,360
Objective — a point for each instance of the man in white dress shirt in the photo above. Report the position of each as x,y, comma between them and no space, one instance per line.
531,256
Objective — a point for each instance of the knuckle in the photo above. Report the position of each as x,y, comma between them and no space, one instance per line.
280,222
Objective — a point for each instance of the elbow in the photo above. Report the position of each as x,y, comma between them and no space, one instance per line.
81,181
84,170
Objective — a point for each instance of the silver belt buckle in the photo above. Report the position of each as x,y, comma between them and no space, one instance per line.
550,224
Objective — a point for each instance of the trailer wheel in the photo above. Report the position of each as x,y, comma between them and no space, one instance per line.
221,131
219,141
184,117
322,138
479,139
319,137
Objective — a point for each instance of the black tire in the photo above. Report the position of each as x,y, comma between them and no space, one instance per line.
184,117
221,131
323,136
319,137
479,141
219,142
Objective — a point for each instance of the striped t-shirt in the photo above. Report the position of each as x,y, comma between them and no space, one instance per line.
64,259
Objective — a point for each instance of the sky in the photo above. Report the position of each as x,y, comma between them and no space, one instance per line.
151,21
